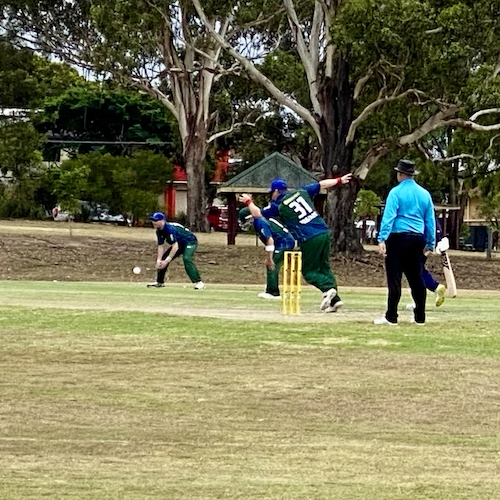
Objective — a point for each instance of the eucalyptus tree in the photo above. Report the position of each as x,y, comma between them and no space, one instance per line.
460,162
159,46
381,75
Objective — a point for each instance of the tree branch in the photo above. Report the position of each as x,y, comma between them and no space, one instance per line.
432,123
466,155
373,155
385,146
423,150
470,125
496,70
482,112
361,83
374,106
157,94
258,77
233,127
440,119
308,55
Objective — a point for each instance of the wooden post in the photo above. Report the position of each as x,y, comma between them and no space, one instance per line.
457,229
444,222
490,243
232,219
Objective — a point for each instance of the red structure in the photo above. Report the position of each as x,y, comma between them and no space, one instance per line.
169,201
176,190
221,166
179,174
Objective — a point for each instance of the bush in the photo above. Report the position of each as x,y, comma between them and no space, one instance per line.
18,200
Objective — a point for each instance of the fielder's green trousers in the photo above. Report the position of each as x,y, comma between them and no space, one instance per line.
316,264
272,284
187,257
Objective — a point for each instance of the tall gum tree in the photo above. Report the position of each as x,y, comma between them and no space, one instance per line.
381,76
158,46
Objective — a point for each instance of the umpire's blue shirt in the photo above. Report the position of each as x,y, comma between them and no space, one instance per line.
409,209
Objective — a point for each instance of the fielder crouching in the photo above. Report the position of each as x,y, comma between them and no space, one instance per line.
182,242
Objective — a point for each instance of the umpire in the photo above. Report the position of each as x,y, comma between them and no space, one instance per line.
408,227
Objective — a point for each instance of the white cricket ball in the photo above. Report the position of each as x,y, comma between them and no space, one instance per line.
136,270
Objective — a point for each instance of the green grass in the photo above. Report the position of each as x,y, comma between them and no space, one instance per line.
111,390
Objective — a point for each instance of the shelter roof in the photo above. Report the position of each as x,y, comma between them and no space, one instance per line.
257,179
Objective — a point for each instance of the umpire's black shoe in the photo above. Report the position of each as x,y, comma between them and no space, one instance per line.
155,284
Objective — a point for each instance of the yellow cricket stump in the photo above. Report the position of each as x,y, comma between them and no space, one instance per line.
292,283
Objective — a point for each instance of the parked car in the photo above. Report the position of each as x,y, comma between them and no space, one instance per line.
371,232
60,215
105,216
217,218
90,213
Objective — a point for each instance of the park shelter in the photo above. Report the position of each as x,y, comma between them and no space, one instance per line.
257,179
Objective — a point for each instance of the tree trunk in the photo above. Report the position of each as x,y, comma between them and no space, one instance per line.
194,158
337,102
340,220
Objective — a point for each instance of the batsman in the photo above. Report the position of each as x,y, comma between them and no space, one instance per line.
295,209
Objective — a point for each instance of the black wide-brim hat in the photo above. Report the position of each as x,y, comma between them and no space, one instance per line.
406,167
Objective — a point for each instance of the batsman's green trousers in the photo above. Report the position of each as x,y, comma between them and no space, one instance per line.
315,262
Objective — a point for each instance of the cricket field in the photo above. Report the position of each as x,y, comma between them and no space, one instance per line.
111,390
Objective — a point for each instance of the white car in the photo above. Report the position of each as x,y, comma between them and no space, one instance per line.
105,216
60,215
371,228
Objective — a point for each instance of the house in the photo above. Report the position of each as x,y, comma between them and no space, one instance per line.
477,224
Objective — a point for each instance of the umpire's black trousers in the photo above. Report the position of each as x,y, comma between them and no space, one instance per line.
404,256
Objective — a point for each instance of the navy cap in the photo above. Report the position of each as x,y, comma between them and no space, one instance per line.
157,216
279,184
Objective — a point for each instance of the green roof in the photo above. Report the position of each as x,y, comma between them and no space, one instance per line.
257,179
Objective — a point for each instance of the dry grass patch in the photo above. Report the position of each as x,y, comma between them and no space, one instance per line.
141,416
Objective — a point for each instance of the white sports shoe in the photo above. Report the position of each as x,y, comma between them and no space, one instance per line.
335,307
265,295
411,306
440,291
199,286
327,298
383,321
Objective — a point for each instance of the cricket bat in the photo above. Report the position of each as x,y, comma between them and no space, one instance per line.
451,285
441,248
